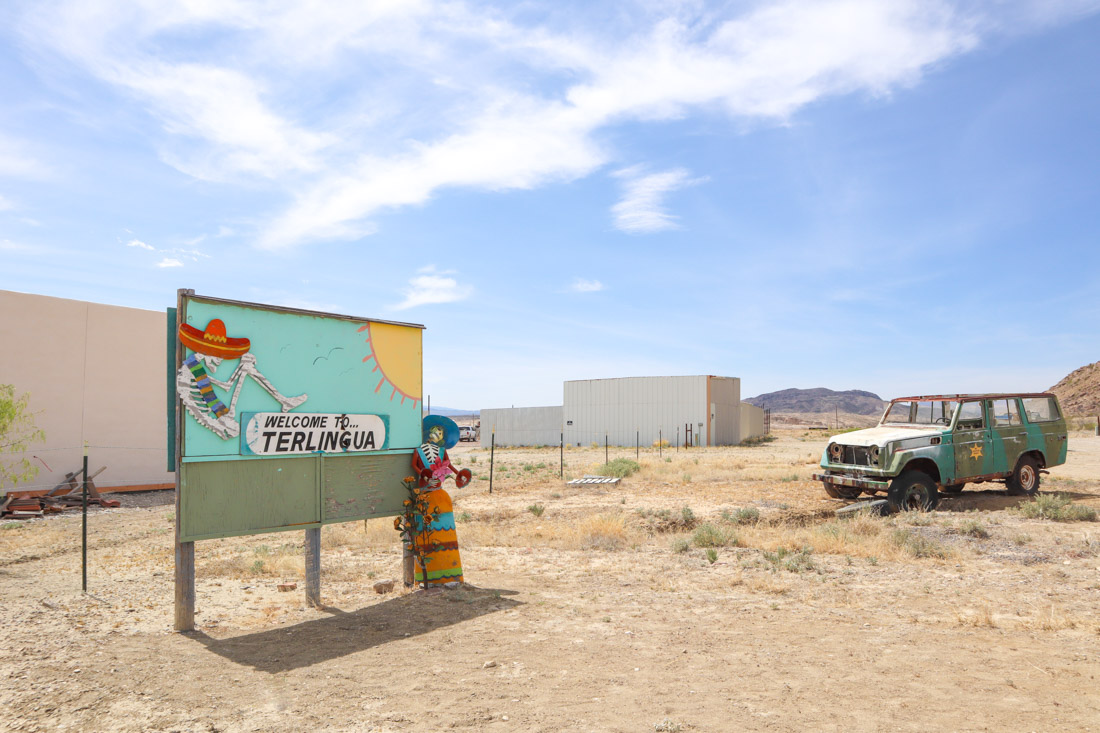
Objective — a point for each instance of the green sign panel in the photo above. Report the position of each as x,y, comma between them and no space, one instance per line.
289,419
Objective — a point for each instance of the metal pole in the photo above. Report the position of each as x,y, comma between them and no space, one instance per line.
84,525
492,452
660,442
637,444
677,438
605,448
561,457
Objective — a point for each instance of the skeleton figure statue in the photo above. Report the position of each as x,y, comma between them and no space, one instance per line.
433,467
194,383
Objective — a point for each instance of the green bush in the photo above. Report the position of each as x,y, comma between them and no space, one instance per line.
712,555
680,545
792,561
757,440
619,468
536,509
745,515
1058,508
708,535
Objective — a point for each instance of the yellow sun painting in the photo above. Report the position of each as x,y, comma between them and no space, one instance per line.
396,352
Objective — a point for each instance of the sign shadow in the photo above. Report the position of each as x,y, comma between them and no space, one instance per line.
303,645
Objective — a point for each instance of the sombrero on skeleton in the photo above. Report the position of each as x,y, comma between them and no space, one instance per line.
450,429
213,341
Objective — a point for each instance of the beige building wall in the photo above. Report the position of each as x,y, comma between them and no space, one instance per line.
95,373
752,421
725,410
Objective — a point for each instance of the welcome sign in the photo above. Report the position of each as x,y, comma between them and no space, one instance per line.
280,433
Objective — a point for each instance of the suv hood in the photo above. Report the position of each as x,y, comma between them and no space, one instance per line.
882,435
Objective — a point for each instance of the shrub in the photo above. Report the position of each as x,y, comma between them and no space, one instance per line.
918,545
536,509
791,561
660,444
687,517
974,528
680,545
745,515
1058,508
708,535
757,440
712,555
619,468
664,520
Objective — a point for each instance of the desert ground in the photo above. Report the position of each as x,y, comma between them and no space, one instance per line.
713,590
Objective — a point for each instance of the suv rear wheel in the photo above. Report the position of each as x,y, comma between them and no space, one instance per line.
1024,480
913,491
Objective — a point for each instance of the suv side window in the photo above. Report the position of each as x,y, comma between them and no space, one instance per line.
1040,409
1004,412
970,416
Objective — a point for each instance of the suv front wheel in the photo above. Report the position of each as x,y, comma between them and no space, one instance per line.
913,491
842,492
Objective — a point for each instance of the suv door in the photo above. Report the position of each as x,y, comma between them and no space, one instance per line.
1009,433
973,441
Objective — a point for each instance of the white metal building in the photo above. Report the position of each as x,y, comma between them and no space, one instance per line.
702,409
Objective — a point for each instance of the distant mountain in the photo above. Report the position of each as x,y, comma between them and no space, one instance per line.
820,400
1079,392
452,412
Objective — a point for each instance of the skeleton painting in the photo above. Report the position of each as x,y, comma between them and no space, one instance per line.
195,381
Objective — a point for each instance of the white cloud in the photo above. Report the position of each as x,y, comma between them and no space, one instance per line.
140,245
6,204
169,262
6,245
580,285
641,208
433,289
16,163
352,109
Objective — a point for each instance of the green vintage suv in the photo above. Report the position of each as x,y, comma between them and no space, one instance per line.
925,445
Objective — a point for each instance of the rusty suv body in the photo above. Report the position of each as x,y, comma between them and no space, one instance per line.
925,445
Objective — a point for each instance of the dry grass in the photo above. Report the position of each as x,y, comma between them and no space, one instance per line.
257,561
863,536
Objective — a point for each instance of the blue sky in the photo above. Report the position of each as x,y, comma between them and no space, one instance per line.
896,196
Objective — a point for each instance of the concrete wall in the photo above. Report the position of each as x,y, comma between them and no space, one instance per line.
752,421
95,373
521,426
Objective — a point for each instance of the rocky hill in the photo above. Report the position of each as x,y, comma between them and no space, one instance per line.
1079,392
820,400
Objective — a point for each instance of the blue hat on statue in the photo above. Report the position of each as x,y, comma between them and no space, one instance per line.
450,429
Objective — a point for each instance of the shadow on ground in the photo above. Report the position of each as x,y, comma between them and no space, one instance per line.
347,632
989,500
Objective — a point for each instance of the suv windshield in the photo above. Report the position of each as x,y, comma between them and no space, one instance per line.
915,412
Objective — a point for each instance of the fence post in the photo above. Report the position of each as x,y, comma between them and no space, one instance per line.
84,525
561,454
492,452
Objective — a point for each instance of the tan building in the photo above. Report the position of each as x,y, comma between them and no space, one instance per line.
96,374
